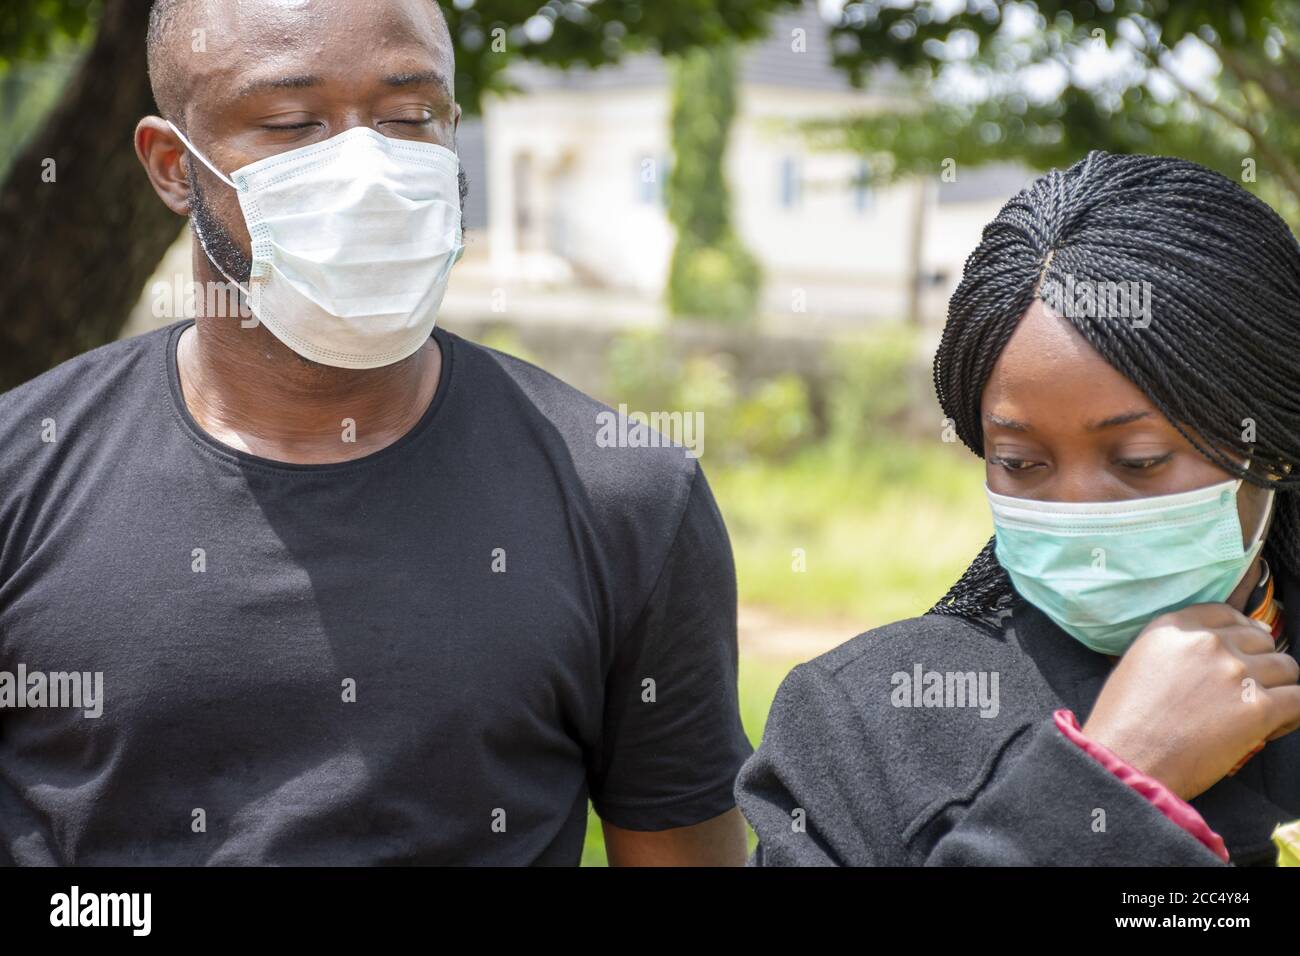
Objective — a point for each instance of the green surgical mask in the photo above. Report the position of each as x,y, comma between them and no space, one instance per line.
1101,570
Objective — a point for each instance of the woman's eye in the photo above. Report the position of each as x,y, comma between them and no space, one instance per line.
1142,464
422,121
1013,464
290,126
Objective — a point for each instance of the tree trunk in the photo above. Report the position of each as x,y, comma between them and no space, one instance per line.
75,252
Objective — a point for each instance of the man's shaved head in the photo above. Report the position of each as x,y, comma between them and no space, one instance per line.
249,79
171,45
162,70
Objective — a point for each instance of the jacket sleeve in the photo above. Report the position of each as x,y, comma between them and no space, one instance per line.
805,790
1160,796
815,793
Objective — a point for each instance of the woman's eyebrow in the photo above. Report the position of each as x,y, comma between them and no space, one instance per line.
1122,419
1010,423
1111,421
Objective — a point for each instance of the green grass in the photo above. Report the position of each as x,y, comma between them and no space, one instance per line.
884,536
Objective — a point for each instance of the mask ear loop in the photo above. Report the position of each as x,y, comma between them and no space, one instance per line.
1261,535
203,159
1265,522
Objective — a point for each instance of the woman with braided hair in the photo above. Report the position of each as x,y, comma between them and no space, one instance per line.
1113,680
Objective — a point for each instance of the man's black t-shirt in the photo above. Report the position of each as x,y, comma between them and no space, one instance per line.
432,654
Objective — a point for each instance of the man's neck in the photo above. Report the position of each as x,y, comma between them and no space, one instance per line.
248,390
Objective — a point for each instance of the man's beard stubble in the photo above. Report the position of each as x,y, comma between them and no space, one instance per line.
215,239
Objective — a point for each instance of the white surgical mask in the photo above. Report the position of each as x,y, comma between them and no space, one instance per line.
353,240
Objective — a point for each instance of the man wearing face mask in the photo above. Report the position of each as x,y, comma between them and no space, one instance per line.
360,591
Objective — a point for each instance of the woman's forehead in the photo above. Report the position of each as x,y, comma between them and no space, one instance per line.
1047,363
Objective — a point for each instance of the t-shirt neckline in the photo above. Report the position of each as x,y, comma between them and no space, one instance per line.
246,459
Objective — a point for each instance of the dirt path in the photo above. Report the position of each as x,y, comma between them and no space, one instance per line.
765,634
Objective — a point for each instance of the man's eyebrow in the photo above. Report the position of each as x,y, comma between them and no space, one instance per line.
1010,423
1121,419
276,83
418,78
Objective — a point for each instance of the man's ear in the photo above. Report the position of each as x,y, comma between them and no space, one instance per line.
162,153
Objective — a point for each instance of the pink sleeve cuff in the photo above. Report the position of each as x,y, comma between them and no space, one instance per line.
1165,800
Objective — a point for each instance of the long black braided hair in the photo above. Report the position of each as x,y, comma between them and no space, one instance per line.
1222,347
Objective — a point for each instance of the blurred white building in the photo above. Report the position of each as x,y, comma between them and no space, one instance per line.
567,183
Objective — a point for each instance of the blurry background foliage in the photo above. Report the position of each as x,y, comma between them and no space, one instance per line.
711,274
45,38
31,29
1043,83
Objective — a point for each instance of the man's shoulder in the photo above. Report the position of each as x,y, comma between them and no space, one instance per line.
619,461
59,422
84,383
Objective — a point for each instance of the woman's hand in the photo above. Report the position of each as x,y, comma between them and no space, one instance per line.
1198,689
